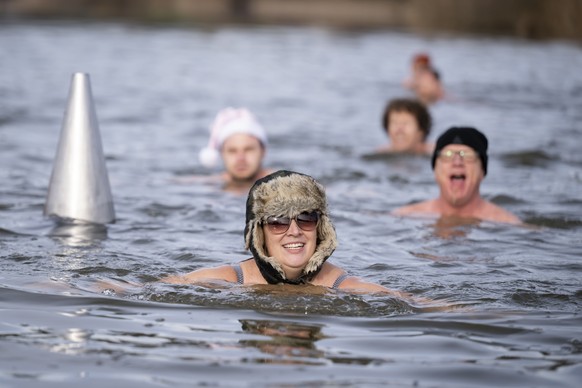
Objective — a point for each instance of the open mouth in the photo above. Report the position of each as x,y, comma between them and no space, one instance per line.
457,181
458,178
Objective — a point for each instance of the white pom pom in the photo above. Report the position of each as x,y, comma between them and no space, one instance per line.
208,157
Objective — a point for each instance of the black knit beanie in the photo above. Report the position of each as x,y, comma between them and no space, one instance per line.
463,135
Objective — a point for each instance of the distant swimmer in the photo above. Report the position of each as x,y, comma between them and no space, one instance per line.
425,81
420,62
407,123
459,162
240,141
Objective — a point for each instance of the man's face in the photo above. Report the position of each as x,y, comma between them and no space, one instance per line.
458,176
242,155
403,131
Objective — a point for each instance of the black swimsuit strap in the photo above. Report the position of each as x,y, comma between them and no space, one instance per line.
339,280
240,278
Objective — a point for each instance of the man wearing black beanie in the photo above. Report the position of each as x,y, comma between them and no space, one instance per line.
459,162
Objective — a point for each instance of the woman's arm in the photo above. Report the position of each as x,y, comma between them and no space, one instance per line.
201,276
354,284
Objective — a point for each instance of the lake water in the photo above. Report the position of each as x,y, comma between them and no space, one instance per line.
320,94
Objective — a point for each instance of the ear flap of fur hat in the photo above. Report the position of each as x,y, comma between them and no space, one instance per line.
286,194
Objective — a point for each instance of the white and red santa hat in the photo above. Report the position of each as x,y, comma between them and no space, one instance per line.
230,121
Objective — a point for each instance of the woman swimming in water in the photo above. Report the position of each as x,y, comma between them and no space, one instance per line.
290,234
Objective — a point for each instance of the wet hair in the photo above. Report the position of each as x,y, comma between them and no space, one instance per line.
414,107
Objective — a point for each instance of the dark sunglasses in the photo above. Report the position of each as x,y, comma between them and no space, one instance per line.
306,221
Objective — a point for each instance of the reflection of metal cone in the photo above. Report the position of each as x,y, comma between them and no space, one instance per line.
79,186
78,233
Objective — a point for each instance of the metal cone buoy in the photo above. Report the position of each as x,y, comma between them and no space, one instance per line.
79,186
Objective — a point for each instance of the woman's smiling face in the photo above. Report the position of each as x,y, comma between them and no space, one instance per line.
291,249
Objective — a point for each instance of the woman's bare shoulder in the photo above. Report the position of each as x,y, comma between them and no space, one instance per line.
224,272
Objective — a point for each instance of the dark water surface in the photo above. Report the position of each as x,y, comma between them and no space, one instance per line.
320,94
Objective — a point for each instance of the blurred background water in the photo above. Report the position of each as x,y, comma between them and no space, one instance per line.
320,94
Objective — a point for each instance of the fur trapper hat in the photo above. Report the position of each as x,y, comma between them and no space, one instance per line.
287,194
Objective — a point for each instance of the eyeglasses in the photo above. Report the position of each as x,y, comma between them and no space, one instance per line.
467,156
306,221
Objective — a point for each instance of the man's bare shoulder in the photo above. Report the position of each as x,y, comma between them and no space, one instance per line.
421,208
494,213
